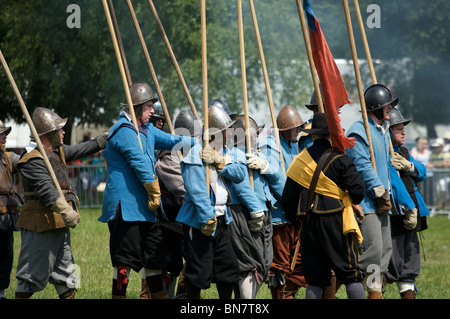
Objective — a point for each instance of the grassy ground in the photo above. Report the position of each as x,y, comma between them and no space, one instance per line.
90,242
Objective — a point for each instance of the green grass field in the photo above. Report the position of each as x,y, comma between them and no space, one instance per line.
90,246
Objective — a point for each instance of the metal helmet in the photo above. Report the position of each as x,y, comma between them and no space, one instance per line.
288,118
4,129
140,92
377,96
222,105
185,120
240,123
159,113
396,117
219,120
46,121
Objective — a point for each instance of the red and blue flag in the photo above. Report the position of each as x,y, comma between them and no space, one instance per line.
333,90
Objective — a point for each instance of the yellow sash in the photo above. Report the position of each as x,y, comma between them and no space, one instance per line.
301,171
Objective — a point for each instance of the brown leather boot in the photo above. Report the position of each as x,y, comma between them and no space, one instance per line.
159,295
329,292
277,292
375,295
145,293
69,294
408,294
290,290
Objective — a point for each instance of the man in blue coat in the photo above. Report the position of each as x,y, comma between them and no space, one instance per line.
377,245
132,193
404,266
209,253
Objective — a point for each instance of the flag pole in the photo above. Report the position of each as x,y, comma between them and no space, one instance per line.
150,66
31,124
119,41
174,59
310,57
205,84
358,81
266,81
368,55
122,69
244,85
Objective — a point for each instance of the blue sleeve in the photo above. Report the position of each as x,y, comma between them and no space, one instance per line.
166,141
399,191
126,142
421,169
234,172
361,158
197,191
246,193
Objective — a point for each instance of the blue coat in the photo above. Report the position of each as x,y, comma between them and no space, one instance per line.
361,158
198,206
268,149
242,193
421,175
129,167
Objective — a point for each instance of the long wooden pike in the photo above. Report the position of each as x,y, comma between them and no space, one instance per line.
267,83
244,85
310,56
174,59
205,83
121,68
150,66
358,81
30,124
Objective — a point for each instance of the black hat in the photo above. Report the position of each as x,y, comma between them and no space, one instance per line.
319,125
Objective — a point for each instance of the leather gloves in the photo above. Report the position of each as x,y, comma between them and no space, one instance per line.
101,140
210,156
255,162
359,213
382,202
154,194
70,217
256,221
410,220
210,226
400,163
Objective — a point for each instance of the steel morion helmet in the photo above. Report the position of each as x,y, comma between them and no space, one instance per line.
396,117
46,121
222,105
288,118
4,128
377,96
159,113
187,120
140,93
219,120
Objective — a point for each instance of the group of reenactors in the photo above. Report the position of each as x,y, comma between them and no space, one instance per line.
203,205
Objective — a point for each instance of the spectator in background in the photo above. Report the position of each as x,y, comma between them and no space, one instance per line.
421,152
440,158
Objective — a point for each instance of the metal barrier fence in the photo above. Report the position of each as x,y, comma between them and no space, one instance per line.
88,182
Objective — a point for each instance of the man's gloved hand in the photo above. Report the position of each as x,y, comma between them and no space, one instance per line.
210,156
210,226
400,163
358,210
154,194
383,203
101,140
410,220
256,221
70,217
256,162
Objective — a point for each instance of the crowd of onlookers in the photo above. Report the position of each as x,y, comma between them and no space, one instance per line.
435,155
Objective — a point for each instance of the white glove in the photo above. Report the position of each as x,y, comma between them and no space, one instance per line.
256,221
69,216
400,163
256,162
410,220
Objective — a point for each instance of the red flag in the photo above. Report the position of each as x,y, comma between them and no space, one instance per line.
333,90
